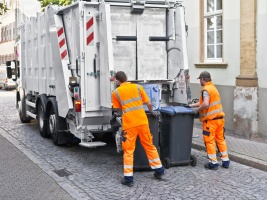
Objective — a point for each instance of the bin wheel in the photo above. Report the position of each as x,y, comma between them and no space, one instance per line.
167,163
193,161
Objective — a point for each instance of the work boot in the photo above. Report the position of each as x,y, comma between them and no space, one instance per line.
158,176
211,166
127,183
159,172
225,164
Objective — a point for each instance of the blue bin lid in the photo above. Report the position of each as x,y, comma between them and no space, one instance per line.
174,110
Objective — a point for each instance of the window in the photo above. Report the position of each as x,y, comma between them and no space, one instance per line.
14,31
2,34
213,29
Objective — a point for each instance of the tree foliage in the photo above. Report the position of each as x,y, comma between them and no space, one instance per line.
45,3
3,8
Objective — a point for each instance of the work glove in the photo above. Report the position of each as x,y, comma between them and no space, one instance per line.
195,111
155,113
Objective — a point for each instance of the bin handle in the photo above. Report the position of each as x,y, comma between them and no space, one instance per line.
154,88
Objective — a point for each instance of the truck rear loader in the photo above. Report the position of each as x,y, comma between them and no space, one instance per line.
69,57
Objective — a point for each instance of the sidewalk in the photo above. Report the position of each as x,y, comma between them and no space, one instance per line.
249,152
23,179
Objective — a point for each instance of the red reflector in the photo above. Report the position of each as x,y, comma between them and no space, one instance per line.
77,105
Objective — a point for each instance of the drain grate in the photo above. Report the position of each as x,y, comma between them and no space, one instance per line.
62,172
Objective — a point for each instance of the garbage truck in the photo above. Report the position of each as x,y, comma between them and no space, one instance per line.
70,55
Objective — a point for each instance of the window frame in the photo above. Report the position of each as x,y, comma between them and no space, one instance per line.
205,17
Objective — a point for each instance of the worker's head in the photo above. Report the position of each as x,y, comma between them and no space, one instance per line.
204,77
120,77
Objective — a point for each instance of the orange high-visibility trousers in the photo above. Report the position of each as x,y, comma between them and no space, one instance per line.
213,131
129,143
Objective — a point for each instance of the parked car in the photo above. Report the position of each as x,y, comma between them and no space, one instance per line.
5,82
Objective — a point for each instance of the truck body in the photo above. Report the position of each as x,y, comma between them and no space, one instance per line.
69,57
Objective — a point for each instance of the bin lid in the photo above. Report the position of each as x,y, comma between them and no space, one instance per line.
174,110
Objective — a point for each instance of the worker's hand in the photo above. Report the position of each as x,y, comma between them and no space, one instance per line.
195,111
155,113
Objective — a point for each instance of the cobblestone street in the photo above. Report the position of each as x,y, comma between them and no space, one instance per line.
96,173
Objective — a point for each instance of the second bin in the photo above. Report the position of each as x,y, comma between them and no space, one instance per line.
176,130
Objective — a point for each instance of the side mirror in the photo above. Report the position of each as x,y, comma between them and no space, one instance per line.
9,72
8,63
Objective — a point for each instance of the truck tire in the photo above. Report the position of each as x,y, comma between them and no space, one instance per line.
22,108
41,118
57,126
53,125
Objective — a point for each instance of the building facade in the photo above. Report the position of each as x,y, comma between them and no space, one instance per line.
8,31
18,11
228,39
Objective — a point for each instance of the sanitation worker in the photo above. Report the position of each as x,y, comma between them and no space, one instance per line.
129,98
211,114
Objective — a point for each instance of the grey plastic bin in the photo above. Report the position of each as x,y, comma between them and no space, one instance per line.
140,158
176,130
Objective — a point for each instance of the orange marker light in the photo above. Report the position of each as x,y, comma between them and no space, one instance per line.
78,105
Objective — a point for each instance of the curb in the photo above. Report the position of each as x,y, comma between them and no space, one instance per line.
239,158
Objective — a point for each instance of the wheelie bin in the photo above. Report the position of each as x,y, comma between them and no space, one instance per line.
176,130
140,158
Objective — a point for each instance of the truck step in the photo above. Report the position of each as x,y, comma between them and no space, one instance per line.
92,144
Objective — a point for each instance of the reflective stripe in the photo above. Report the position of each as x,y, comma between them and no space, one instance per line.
212,112
214,161
138,87
154,160
128,174
132,108
131,100
215,103
212,156
156,166
128,166
225,159
224,153
118,96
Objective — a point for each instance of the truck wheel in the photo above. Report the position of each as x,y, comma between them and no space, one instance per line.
53,126
57,126
42,123
22,109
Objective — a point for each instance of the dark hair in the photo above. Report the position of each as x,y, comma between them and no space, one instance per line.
207,79
121,76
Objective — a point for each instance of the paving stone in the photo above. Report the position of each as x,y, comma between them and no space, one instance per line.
97,172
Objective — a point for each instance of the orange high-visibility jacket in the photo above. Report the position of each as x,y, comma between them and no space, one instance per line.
215,108
130,98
